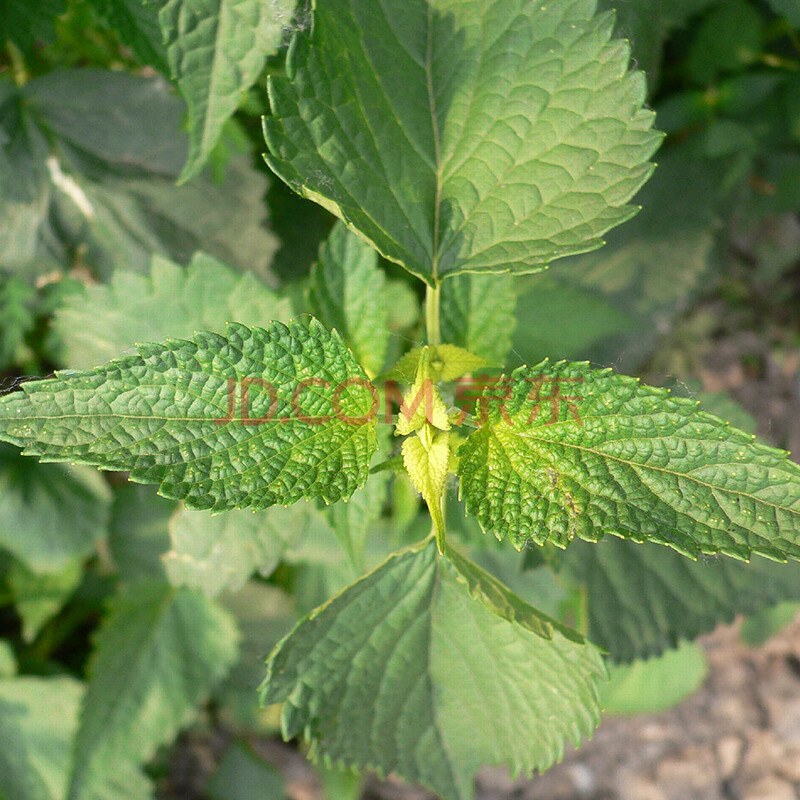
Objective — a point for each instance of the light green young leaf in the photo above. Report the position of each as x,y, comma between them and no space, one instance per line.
214,553
409,671
422,405
105,321
447,363
659,683
158,654
38,597
175,415
8,660
426,457
50,515
348,292
565,451
78,177
642,599
38,719
478,314
216,50
392,116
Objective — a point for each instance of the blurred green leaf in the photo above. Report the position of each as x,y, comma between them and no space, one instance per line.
790,9
767,622
242,775
16,319
26,22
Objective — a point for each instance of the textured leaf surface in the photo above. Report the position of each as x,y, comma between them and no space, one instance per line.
50,515
348,292
392,115
426,458
216,50
213,553
105,321
643,598
89,160
38,718
614,305
576,452
407,672
478,314
158,654
163,415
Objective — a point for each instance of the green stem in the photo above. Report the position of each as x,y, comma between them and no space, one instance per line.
18,69
432,303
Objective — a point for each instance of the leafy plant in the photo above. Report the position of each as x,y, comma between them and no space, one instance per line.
459,145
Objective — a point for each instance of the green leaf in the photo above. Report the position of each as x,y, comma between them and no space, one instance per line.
763,625
728,38
8,660
409,671
446,363
38,718
138,534
213,553
103,322
168,416
25,22
216,50
50,515
426,457
158,654
38,597
90,161
348,292
647,687
614,305
788,9
478,314
572,452
16,319
392,117
243,775
136,24
642,599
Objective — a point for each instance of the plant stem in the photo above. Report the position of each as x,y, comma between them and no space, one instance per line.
432,301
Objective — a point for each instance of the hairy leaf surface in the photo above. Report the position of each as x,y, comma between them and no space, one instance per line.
105,321
418,669
644,598
573,452
348,292
463,136
159,653
164,416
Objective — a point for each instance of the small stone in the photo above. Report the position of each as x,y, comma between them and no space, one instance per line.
729,755
635,787
770,788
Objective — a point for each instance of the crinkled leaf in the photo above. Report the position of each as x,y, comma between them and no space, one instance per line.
164,416
88,161
409,671
105,321
447,363
216,50
478,314
26,22
159,653
213,553
614,305
574,452
38,719
40,596
393,117
422,405
50,515
348,292
643,598
426,458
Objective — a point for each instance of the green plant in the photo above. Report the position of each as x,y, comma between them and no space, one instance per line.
466,142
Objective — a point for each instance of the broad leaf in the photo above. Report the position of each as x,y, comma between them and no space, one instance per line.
213,553
644,598
220,421
392,116
25,22
566,451
50,515
103,322
418,669
348,292
38,597
38,719
88,160
216,50
478,314
158,654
